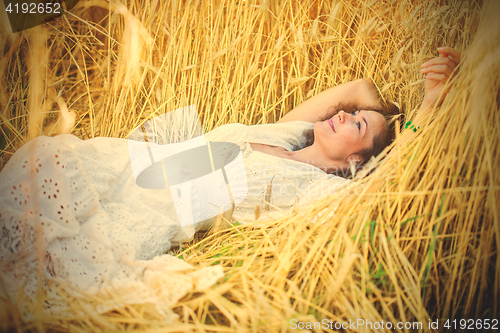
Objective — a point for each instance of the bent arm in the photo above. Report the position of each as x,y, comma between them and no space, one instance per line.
361,93
438,72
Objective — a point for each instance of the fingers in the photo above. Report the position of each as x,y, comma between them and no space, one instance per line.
447,55
442,60
438,69
450,52
444,64
437,77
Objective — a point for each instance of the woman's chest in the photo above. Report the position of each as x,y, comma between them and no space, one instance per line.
272,184
270,150
266,169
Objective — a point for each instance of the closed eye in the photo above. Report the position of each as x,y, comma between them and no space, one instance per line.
357,123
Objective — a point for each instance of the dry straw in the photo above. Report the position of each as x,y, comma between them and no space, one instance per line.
418,243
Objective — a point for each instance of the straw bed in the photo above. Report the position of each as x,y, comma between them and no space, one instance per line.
418,244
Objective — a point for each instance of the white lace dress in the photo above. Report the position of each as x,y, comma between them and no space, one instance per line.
74,206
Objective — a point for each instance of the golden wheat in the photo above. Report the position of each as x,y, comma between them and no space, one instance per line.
419,243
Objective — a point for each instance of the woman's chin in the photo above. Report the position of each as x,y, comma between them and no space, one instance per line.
319,127
322,129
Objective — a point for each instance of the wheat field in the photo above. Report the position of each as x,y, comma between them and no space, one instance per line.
420,241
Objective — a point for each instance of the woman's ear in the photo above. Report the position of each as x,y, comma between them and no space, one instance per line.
354,158
354,162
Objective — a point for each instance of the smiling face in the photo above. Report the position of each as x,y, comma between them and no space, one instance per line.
346,136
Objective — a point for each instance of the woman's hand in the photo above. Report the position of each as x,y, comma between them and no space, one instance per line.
438,72
360,93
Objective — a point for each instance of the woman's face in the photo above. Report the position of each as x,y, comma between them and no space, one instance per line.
343,137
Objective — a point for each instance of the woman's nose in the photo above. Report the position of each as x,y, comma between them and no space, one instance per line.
342,116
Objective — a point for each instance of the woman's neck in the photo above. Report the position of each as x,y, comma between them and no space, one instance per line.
311,156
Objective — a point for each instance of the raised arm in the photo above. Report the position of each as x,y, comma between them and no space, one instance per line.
360,93
437,73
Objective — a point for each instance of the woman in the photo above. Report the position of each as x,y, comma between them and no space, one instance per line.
76,205
352,143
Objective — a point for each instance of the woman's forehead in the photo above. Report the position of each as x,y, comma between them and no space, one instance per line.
374,116
371,112
375,120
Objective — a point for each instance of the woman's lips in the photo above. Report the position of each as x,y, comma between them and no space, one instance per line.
330,122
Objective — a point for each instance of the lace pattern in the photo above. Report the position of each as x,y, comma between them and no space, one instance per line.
74,207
